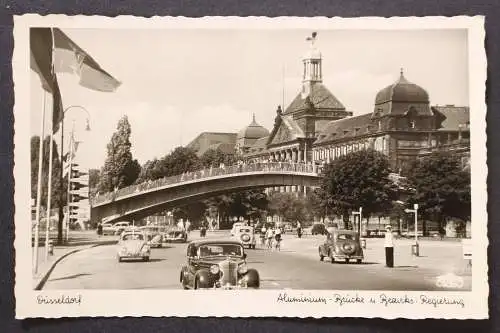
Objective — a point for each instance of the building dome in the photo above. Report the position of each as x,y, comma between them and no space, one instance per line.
402,91
253,131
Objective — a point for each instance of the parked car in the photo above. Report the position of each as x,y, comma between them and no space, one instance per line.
133,245
175,236
153,235
217,264
108,229
236,226
119,227
341,245
318,229
246,236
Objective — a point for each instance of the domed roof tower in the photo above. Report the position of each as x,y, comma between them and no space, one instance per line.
397,99
253,131
250,134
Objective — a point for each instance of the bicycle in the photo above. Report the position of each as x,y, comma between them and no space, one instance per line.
270,243
278,244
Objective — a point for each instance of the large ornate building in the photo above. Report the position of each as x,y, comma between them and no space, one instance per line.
316,127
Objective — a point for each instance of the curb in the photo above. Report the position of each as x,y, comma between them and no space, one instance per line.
45,277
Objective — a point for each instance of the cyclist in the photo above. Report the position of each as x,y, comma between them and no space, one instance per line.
269,237
277,237
263,232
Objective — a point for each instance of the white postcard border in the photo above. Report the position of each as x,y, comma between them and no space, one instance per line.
261,303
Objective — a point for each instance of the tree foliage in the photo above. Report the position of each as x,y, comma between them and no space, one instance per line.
215,157
442,188
359,179
56,172
289,206
179,161
120,169
94,175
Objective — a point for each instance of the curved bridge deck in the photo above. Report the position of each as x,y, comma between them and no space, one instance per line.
143,199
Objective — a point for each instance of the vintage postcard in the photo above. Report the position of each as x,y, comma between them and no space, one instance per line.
250,167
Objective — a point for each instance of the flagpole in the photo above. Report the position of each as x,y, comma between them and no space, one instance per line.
49,195
39,186
70,167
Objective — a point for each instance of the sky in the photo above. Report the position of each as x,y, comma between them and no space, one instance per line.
179,83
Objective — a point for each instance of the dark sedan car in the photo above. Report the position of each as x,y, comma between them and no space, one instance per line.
341,245
218,265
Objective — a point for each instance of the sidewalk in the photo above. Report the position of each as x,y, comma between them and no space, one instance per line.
439,256
79,241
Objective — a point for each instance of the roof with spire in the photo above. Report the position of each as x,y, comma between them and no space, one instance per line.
320,97
253,131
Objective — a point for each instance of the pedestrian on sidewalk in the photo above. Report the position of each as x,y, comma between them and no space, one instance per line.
389,247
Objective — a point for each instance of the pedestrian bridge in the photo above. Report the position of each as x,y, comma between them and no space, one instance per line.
141,200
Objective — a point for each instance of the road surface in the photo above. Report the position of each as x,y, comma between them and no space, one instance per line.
98,268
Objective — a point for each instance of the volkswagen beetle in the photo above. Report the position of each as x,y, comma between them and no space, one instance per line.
133,245
341,245
213,264
175,236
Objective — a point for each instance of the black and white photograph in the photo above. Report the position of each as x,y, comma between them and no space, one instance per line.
250,167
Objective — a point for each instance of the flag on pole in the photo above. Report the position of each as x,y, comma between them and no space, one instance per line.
51,52
41,62
70,58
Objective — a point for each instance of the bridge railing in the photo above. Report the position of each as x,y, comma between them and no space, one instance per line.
203,174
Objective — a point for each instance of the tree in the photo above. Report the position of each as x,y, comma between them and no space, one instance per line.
316,206
179,161
93,180
120,169
214,158
151,170
288,206
442,188
358,179
56,172
194,212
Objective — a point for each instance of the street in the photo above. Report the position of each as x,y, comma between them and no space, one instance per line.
296,266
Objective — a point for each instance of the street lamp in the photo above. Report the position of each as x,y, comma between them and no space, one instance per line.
61,182
359,213
415,247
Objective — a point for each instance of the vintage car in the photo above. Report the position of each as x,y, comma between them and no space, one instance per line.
246,236
175,236
217,264
236,226
153,234
119,227
341,245
107,229
133,245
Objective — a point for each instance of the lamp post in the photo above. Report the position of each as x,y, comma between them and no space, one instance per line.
415,247
61,180
359,213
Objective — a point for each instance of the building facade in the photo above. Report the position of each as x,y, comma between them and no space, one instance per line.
317,128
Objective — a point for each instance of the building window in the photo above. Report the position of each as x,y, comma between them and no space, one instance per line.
379,125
